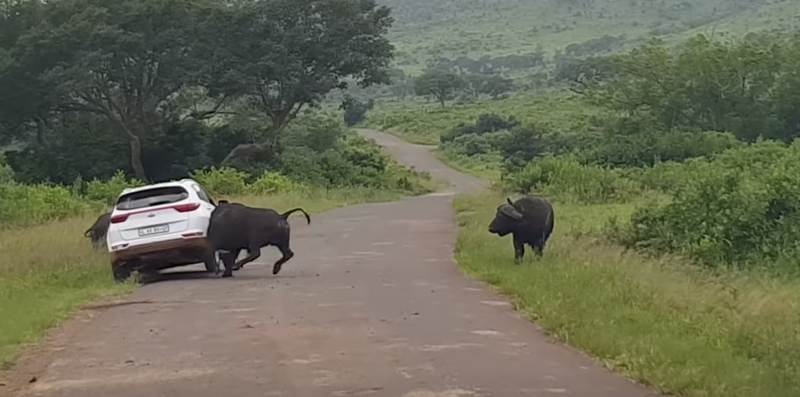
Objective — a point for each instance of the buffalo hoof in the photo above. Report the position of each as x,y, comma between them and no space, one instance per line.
276,269
226,275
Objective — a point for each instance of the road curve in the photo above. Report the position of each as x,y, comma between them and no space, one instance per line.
371,305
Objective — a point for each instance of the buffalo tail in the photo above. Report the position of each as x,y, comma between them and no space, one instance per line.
286,214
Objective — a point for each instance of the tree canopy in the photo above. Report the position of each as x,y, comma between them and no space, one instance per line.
138,70
440,84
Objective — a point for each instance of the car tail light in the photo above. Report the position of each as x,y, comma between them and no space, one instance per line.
119,218
187,207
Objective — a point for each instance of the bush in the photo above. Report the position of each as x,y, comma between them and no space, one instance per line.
272,183
33,204
666,177
742,208
487,122
566,179
107,191
6,172
222,181
355,111
635,142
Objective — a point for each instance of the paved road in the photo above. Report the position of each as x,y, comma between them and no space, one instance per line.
371,305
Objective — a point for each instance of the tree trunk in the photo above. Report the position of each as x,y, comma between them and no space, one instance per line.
136,159
136,148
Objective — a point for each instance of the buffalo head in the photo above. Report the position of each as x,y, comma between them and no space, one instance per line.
505,219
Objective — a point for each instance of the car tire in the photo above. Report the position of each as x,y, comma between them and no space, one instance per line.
121,271
212,262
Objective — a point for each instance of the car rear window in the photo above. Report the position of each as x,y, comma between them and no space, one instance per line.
152,197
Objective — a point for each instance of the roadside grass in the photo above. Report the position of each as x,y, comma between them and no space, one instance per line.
672,326
49,271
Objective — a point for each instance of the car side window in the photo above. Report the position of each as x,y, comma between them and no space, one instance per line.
202,194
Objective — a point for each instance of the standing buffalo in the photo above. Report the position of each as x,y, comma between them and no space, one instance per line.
97,232
530,220
234,227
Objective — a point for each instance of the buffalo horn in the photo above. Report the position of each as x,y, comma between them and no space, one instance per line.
510,212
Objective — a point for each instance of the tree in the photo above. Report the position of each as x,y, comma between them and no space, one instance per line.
708,86
355,110
283,55
440,84
400,84
25,101
494,86
124,60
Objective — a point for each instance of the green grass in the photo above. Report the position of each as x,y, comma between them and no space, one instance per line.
425,29
661,322
49,271
423,123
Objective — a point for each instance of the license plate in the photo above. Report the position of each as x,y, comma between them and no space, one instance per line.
153,230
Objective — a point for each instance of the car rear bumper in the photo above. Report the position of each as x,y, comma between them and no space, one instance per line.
163,250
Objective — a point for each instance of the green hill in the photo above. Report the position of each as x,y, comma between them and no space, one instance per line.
425,29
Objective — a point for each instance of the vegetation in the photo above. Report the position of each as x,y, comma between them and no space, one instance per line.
97,96
419,123
426,30
145,77
673,171
674,327
671,157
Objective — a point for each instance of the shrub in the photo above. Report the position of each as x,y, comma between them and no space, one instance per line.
631,142
32,204
272,183
6,172
666,177
355,111
742,208
222,181
566,179
487,122
107,191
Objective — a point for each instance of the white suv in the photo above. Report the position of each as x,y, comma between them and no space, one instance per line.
160,226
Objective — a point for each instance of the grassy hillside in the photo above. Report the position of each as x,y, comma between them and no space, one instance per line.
429,28
423,123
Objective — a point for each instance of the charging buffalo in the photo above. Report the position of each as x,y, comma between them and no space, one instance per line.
234,227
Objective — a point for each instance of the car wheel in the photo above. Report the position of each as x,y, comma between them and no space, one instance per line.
212,262
121,271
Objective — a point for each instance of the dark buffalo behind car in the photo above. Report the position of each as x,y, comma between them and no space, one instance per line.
97,232
234,227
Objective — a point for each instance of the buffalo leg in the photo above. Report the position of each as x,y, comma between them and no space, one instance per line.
538,249
287,254
234,256
519,250
252,254
228,259
539,246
